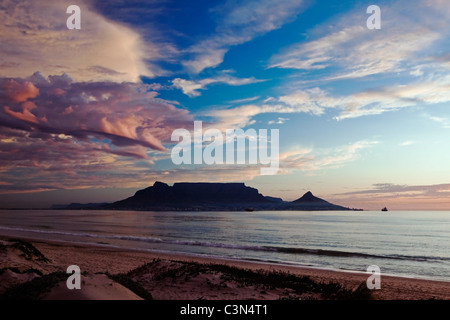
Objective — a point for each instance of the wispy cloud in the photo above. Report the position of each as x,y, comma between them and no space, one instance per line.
313,101
316,101
280,120
406,143
395,190
310,159
356,52
445,122
392,98
240,22
396,196
192,87
239,117
244,100
350,50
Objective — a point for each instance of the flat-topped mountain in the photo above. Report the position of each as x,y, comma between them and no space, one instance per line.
193,195
187,196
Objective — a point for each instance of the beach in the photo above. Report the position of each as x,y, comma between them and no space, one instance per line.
186,277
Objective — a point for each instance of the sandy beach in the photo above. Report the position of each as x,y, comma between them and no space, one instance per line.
108,272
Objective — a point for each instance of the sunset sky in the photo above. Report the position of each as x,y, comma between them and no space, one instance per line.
363,115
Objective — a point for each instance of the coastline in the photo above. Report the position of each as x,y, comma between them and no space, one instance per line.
94,259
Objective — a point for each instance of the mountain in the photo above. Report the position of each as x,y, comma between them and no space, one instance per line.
309,197
193,197
188,196
310,202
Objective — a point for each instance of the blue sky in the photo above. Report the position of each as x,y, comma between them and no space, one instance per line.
363,114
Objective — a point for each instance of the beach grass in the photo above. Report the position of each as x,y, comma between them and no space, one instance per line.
182,271
29,251
34,289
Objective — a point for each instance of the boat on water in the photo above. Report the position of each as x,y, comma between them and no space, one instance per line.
384,209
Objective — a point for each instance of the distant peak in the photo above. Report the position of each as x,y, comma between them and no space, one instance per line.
309,197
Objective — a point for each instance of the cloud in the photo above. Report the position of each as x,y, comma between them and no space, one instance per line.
445,122
239,24
356,52
378,101
12,91
371,102
239,117
350,50
191,87
56,162
59,134
239,101
280,120
394,190
126,114
406,143
309,159
313,101
316,101
34,37
398,197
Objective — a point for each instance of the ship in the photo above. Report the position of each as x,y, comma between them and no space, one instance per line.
384,209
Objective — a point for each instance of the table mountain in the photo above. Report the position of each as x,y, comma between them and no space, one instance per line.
189,196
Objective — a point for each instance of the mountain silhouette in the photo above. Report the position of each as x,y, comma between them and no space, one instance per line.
309,197
310,202
193,194
202,196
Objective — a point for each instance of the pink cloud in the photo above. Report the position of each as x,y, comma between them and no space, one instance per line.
12,91
127,114
26,114
48,162
59,134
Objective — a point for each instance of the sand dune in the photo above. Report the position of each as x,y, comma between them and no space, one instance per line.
93,287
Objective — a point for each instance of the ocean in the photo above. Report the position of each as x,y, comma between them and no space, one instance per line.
404,243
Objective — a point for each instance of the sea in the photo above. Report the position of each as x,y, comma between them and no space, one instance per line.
403,243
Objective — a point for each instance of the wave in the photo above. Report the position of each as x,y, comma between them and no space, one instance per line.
318,252
87,235
279,249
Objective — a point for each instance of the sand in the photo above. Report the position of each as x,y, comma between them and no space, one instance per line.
93,287
182,277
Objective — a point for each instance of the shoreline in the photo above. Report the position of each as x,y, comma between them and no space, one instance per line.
201,257
95,259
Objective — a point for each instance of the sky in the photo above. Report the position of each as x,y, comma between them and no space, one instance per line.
363,114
